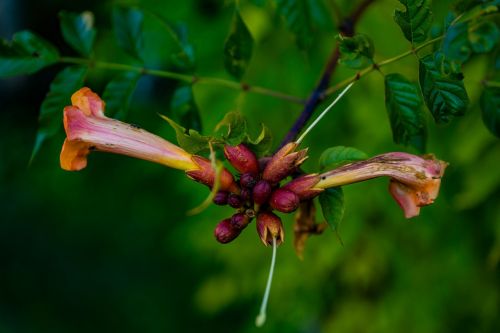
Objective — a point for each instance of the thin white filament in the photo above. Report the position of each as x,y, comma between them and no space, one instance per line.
261,318
325,111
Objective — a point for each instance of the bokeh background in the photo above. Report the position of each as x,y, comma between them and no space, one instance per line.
110,248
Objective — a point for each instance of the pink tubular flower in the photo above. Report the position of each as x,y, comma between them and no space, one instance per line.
88,129
414,182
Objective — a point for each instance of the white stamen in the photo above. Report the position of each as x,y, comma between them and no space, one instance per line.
261,318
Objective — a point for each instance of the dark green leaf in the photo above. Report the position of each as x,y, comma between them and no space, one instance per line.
415,21
334,157
238,47
483,36
127,24
66,82
190,140
490,107
444,93
356,52
404,106
184,109
302,18
118,93
456,46
233,128
262,143
332,206
78,31
184,59
26,54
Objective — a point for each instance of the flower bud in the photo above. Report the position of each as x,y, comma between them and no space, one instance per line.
246,194
303,186
234,200
205,174
221,198
261,192
225,232
248,180
242,158
284,200
240,221
283,163
269,226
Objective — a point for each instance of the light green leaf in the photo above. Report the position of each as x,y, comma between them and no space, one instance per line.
78,31
356,52
127,25
27,53
232,129
190,140
334,157
66,82
262,143
404,106
332,206
444,93
118,93
416,20
490,107
183,108
238,47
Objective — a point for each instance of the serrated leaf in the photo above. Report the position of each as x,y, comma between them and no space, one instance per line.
332,206
356,52
127,25
490,109
415,21
238,47
78,31
483,36
118,93
62,87
27,53
444,93
183,108
404,106
190,140
232,129
334,157
262,143
302,18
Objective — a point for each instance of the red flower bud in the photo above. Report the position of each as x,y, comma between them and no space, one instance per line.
225,232
269,226
248,180
205,174
242,158
240,221
283,163
234,200
284,200
221,198
303,186
261,192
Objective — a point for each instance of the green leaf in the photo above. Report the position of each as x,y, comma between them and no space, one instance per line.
78,31
334,157
302,18
238,47
184,109
404,106
356,52
332,206
483,36
232,129
118,93
456,45
490,107
262,143
444,93
27,53
127,24
415,21
66,82
190,140
185,58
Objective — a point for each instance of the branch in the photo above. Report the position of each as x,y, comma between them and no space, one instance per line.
346,28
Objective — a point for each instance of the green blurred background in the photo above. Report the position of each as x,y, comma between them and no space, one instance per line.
111,248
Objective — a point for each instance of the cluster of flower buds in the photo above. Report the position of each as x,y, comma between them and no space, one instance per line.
259,192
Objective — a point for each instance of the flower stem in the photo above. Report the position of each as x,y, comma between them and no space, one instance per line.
261,318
